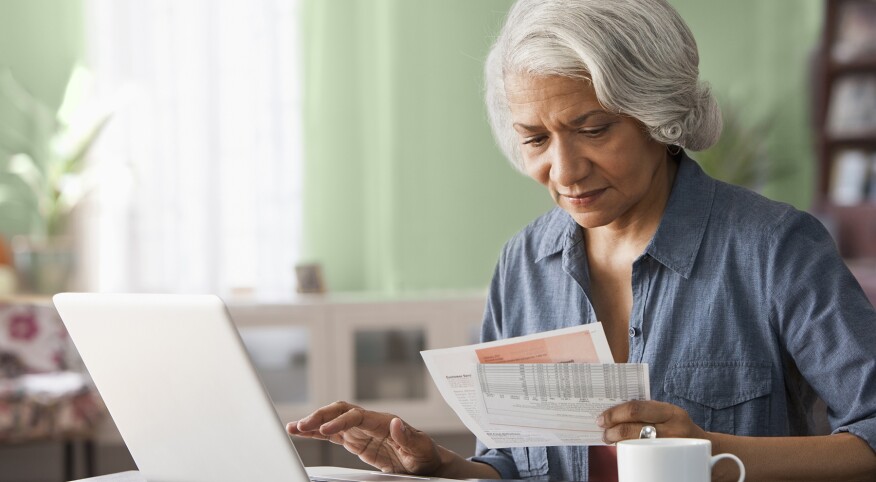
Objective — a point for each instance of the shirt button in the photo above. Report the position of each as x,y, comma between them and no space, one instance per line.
633,332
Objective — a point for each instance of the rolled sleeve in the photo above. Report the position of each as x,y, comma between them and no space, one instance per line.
827,325
864,429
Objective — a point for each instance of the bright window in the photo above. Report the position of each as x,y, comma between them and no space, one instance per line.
201,164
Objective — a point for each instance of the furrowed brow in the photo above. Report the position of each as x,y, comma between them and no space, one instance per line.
576,122
581,119
527,128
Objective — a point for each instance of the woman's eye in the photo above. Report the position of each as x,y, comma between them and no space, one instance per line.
535,141
594,131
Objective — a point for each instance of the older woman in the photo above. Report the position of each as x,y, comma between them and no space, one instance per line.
741,306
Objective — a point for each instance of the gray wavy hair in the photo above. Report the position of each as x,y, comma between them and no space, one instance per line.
639,55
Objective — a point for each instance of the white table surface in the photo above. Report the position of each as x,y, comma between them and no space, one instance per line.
135,476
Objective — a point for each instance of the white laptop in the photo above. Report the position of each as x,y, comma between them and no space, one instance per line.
183,392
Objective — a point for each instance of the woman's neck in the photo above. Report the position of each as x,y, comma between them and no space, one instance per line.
630,235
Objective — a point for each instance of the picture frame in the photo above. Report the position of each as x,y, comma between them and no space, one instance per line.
309,278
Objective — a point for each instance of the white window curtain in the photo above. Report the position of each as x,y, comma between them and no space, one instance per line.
201,164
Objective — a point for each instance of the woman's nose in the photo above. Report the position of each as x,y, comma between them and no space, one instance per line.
568,164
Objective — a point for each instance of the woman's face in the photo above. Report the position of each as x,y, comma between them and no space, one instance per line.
600,167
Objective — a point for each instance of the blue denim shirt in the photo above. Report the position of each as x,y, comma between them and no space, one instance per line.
742,307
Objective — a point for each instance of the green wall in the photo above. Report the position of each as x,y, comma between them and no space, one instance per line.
404,189
40,41
756,54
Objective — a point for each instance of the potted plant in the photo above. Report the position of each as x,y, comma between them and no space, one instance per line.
740,156
42,160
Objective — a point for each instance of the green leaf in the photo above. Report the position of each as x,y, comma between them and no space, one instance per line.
23,166
73,162
741,156
78,86
33,122
43,152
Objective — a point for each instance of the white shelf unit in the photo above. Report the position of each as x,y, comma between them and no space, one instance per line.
395,382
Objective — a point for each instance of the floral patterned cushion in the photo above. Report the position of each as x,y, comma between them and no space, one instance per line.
33,333
44,392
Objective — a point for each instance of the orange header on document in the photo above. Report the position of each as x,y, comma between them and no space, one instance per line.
567,348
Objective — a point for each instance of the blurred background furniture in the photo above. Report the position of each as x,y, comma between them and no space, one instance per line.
45,395
363,348
845,125
309,351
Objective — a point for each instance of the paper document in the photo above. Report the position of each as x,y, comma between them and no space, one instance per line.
542,389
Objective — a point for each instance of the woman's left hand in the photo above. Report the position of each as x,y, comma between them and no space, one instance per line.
625,421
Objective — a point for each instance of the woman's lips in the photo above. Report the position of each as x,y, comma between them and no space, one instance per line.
585,199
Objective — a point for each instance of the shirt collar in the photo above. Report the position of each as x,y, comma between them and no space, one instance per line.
560,232
677,240
678,237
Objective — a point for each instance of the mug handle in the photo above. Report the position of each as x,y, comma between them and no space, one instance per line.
733,458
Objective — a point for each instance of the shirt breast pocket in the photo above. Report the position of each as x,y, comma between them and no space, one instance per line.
530,461
723,396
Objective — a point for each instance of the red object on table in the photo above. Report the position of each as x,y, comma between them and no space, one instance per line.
603,463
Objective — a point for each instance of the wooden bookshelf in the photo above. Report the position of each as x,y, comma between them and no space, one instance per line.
845,121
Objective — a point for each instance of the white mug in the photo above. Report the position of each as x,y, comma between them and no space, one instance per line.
669,460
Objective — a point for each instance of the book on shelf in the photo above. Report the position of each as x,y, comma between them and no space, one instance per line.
856,32
850,179
853,106
871,180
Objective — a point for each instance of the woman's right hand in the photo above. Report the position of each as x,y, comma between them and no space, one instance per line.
379,439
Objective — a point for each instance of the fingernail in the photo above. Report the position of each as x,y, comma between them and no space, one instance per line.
600,421
403,427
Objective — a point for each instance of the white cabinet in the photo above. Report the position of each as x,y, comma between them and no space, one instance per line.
315,350
285,341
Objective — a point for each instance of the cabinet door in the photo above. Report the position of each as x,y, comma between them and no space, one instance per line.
378,363
285,344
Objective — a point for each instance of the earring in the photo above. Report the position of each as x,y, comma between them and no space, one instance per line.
673,150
